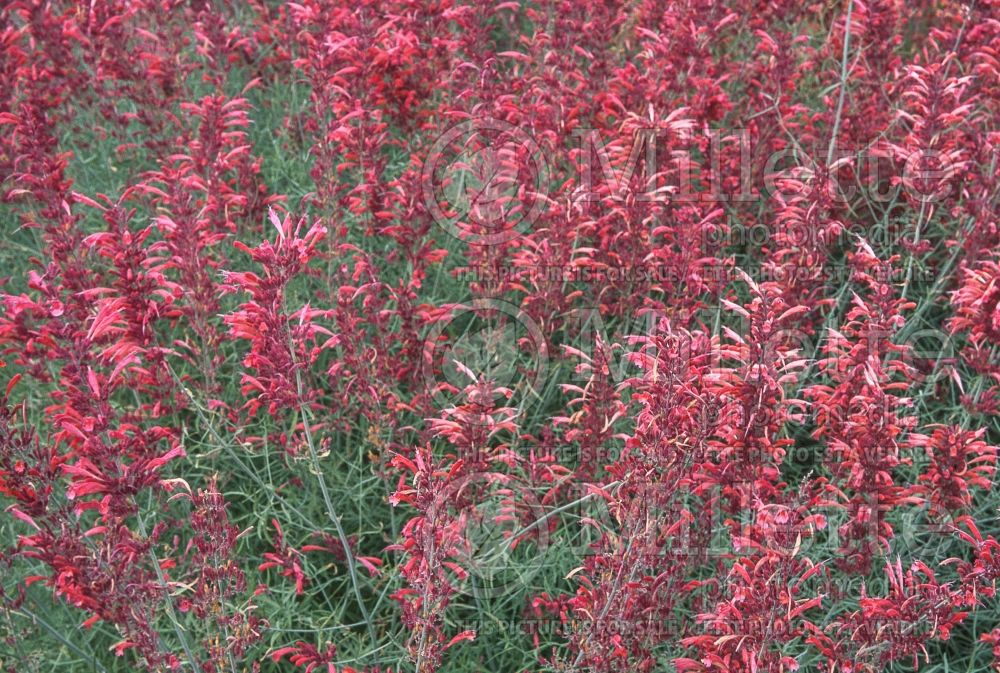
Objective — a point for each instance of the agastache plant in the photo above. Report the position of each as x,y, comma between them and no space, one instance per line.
405,336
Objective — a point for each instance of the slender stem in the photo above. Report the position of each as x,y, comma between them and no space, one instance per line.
55,633
843,85
332,512
548,515
915,241
178,630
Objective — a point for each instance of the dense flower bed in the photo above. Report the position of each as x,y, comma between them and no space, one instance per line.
442,335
